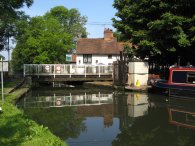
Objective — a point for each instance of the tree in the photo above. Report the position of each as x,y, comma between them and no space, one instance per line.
9,15
46,39
71,20
164,29
43,41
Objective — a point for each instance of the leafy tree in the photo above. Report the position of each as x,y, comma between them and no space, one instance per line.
164,29
71,20
8,15
43,41
46,39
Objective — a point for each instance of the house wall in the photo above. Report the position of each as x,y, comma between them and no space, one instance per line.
101,59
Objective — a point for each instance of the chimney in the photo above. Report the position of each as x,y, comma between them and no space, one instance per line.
108,34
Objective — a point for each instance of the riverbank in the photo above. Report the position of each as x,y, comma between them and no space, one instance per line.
103,84
109,85
17,129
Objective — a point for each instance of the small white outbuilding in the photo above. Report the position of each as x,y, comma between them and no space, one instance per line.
138,73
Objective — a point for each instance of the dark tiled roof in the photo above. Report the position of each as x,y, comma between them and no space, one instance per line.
98,46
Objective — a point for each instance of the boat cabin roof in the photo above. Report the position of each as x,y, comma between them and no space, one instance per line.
182,69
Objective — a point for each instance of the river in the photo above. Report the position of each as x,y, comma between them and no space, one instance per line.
103,117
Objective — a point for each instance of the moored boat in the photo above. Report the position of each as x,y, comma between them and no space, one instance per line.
181,82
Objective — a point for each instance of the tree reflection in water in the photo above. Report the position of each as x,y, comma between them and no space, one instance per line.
142,119
64,122
153,128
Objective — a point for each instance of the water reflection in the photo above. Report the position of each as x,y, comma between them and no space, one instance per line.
106,118
151,124
137,104
182,113
65,99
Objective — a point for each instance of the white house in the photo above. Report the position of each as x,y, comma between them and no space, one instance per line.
98,51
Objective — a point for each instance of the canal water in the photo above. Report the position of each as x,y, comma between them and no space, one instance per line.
104,117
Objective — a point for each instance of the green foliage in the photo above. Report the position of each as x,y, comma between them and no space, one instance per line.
17,129
9,15
47,39
129,51
65,122
158,27
71,20
1,56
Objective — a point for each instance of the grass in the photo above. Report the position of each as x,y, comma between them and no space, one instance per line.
17,129
8,86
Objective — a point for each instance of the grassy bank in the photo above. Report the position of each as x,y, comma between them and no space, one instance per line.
17,129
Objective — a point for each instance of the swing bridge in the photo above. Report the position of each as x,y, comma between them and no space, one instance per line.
68,72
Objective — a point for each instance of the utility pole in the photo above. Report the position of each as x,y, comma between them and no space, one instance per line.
2,84
2,80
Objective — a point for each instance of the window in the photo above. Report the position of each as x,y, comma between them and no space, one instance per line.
191,77
96,61
68,57
183,77
87,58
179,77
109,56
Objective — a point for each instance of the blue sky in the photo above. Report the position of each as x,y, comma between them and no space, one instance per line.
100,11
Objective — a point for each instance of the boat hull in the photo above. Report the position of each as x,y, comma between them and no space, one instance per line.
176,90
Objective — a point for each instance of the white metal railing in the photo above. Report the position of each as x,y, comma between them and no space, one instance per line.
67,100
67,69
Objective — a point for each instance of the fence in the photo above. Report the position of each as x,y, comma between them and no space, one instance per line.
66,69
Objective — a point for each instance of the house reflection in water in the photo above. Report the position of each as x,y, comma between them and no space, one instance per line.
137,105
104,110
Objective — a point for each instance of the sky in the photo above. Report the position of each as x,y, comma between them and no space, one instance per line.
97,12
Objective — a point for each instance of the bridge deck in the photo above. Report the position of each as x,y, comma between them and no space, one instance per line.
68,72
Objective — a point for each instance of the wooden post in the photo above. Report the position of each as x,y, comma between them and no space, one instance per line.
119,71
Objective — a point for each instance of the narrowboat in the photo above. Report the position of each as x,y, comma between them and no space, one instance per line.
181,82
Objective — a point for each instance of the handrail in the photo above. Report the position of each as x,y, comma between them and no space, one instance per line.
66,69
